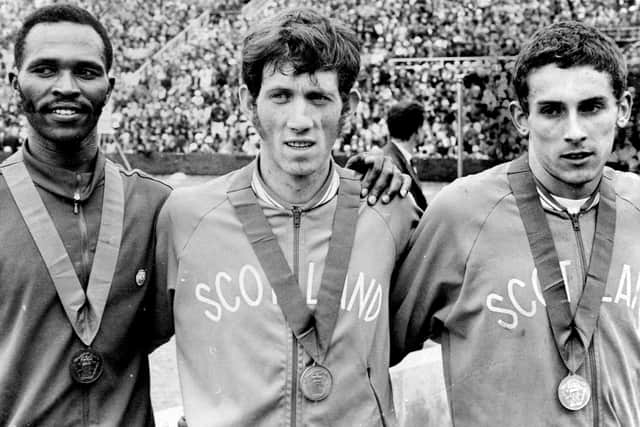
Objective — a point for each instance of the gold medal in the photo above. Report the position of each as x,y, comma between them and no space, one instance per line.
86,366
574,392
316,383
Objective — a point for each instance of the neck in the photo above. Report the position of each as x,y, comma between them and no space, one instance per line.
295,189
406,145
76,157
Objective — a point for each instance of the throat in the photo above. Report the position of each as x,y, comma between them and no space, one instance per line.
295,189
75,156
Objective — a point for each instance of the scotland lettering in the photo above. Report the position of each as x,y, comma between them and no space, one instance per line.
524,299
225,293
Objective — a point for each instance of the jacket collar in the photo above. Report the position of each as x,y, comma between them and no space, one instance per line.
328,190
63,182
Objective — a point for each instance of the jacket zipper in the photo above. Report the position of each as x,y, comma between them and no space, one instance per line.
575,222
297,214
85,406
591,360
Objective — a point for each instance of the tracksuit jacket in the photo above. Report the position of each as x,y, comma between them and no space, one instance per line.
469,281
238,360
36,338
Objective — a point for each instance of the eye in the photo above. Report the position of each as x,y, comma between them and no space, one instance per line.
43,70
551,110
592,107
88,73
279,97
318,98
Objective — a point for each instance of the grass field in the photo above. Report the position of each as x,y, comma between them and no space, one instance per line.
410,390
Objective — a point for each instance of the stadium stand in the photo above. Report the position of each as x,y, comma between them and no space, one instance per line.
177,67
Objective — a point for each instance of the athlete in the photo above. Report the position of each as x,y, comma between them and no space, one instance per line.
279,274
529,273
80,305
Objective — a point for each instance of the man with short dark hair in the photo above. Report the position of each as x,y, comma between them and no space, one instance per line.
404,121
529,273
80,304
280,275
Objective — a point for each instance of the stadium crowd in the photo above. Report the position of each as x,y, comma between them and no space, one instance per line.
176,63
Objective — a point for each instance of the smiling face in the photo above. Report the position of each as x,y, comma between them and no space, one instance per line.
63,82
571,125
298,119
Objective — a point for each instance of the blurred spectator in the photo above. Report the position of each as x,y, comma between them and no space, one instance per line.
176,66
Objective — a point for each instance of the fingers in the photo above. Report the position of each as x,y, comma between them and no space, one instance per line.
406,185
400,184
387,170
375,168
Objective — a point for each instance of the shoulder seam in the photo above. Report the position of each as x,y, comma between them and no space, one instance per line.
628,200
141,174
386,224
197,225
484,221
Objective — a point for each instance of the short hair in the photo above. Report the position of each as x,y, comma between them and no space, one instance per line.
569,44
404,119
61,13
307,40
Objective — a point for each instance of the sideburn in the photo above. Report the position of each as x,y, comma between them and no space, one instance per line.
27,106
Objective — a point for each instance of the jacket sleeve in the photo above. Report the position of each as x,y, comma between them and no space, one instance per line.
162,299
430,277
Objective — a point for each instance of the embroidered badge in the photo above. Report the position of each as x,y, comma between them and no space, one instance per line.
141,276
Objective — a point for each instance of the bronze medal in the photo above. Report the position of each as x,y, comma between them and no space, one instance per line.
86,366
574,392
316,383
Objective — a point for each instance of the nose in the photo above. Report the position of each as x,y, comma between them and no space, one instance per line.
65,85
299,119
574,132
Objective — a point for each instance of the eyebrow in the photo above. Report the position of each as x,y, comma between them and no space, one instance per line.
593,99
56,61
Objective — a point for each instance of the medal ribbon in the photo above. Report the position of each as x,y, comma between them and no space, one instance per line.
313,332
84,311
563,324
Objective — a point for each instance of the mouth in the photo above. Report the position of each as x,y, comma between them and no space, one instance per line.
65,111
577,156
299,144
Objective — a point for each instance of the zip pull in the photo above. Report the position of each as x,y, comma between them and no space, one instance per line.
575,221
297,213
76,199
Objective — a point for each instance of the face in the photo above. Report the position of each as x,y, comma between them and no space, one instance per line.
298,119
63,82
571,126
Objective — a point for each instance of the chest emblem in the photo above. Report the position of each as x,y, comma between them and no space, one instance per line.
141,277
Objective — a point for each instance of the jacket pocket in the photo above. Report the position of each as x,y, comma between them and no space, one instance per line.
375,395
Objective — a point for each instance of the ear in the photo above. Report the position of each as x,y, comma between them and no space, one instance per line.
13,79
354,100
247,101
624,109
519,118
112,83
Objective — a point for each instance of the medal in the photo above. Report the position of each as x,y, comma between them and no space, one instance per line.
316,382
574,392
86,366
